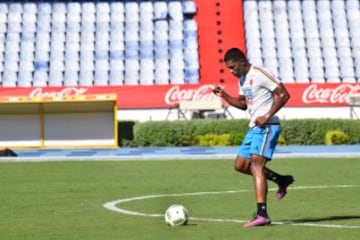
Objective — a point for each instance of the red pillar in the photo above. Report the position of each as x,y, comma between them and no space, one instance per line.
221,27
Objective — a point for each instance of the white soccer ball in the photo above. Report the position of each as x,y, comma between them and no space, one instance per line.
176,215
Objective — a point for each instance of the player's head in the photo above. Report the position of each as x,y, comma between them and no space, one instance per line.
235,60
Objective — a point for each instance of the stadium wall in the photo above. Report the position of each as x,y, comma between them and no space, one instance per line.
221,26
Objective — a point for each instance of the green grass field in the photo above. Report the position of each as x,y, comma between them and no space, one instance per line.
64,200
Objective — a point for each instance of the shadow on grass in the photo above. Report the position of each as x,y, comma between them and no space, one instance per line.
322,219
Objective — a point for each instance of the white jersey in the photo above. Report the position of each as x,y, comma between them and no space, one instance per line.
258,87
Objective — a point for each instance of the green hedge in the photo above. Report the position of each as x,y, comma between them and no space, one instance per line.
231,132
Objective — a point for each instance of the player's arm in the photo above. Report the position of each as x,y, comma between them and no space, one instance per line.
239,102
281,97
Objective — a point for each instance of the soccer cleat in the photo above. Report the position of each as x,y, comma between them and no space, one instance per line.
258,221
283,186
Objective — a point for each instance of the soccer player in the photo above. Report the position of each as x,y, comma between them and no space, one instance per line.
262,94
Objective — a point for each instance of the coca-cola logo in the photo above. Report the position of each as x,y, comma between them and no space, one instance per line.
335,95
69,91
176,94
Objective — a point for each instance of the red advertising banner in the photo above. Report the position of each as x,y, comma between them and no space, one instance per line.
164,96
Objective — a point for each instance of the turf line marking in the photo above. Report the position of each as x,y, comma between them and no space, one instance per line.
113,206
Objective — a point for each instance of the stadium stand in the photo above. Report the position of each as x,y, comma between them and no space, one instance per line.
98,43
305,41
156,42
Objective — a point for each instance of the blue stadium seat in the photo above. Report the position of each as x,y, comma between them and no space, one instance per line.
191,76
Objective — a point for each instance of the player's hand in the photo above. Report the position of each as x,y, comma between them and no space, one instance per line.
261,120
218,91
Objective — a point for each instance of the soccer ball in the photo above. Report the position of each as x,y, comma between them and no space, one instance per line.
176,215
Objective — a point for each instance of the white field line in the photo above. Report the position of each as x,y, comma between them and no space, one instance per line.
114,206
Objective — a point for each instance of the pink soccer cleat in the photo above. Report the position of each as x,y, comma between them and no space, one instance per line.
258,221
283,186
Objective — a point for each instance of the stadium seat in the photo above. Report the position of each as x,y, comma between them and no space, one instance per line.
58,37
162,76
42,56
146,49
357,69
43,22
72,65
9,79
189,7
26,51
117,69
160,10
284,51
191,76
191,59
332,73
56,78
316,74
25,79
86,78
131,72
131,11
269,52
29,22
4,7
40,79
177,76
146,11
11,66
116,78
57,65
72,46
117,65
71,78
286,73
26,66
175,10
72,36
347,72
272,65
101,78
301,70
146,72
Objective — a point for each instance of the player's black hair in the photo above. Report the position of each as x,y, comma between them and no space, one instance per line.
234,54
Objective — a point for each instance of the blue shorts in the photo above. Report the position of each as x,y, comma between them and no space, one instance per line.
260,141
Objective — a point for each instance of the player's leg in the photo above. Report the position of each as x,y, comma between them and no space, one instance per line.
257,169
283,181
266,140
261,149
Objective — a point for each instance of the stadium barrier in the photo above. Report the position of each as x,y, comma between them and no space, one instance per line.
213,108
59,122
354,102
